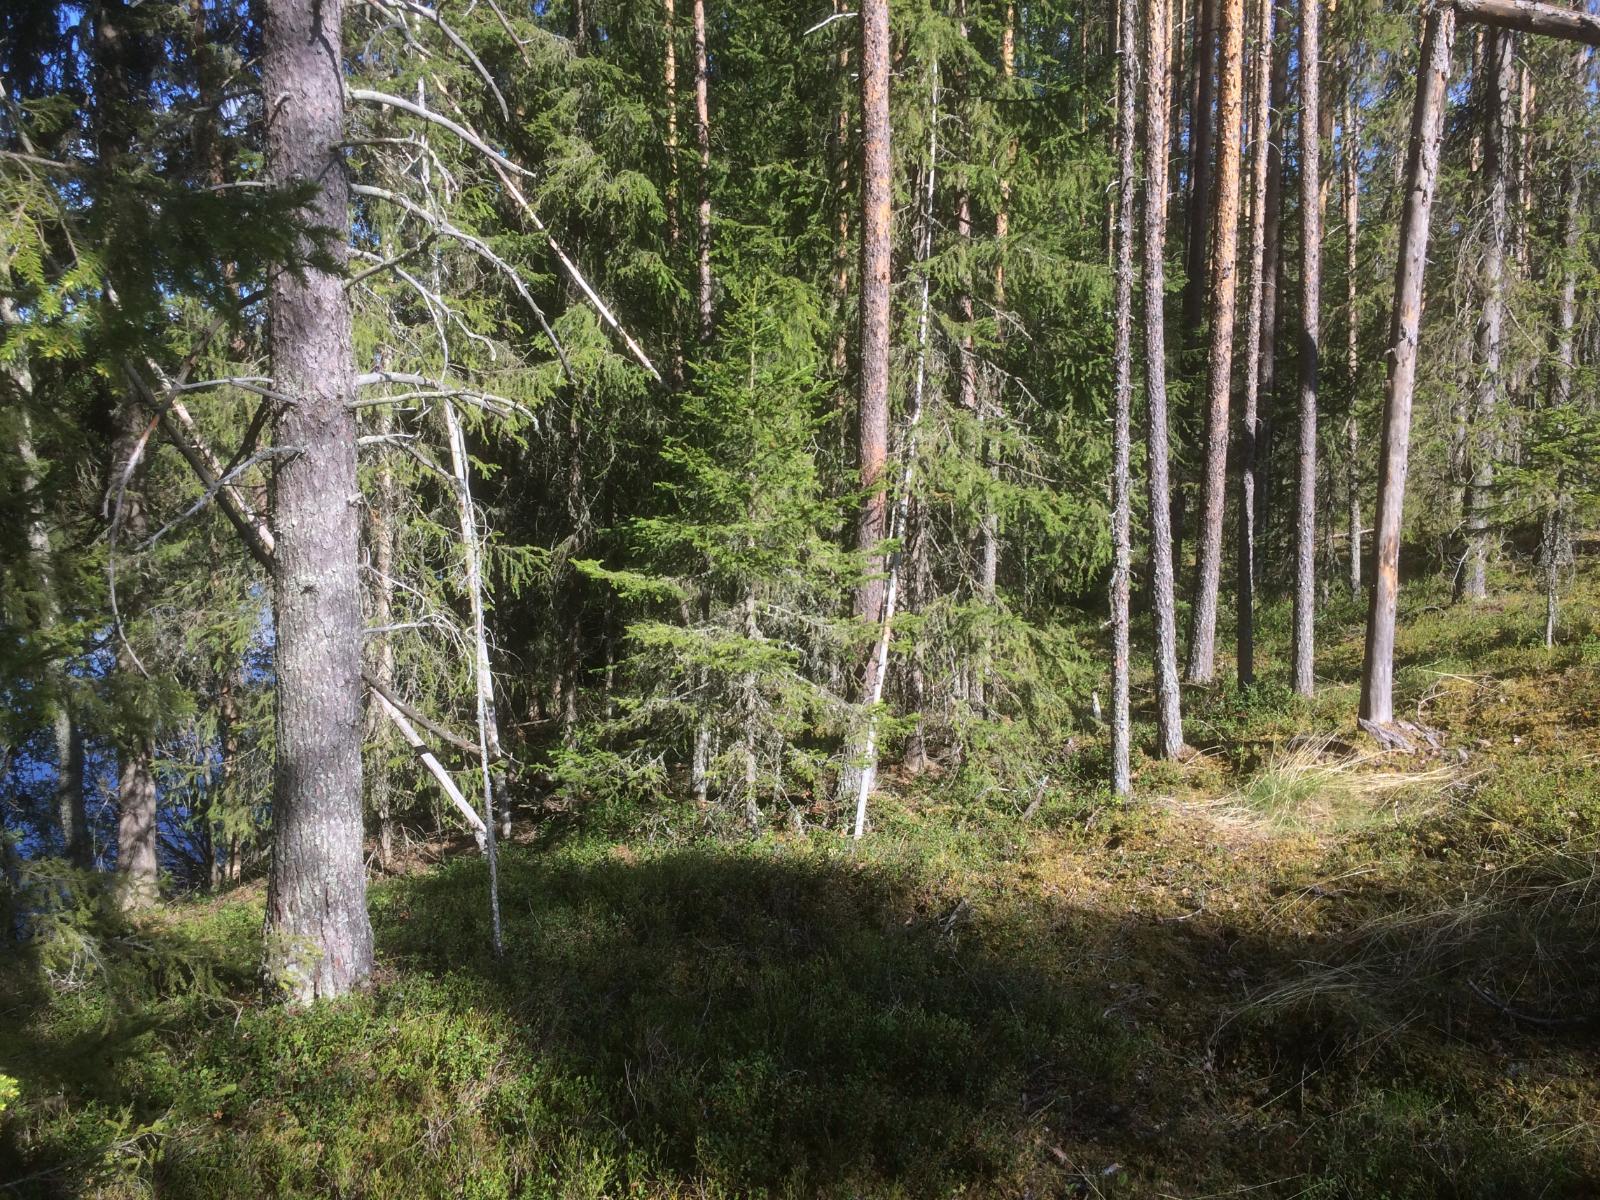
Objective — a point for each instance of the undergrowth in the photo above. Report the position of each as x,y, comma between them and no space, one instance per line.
1291,967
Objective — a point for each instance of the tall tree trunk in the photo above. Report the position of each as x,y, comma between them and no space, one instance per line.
702,141
1500,55
872,414
1219,356
1203,122
1169,721
669,82
318,936
1421,180
1260,157
867,756
1554,547
1350,143
1311,196
1121,482
872,422
841,205
138,871
119,55
1271,282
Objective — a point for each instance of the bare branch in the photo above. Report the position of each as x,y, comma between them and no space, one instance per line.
479,247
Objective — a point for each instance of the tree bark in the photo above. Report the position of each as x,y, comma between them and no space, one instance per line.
1500,56
1350,144
1421,180
1573,25
1202,124
1271,282
702,140
138,871
1121,482
872,427
1219,356
318,936
1260,157
669,80
1169,721
1305,582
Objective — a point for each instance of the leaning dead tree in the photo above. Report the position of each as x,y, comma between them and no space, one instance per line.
1421,181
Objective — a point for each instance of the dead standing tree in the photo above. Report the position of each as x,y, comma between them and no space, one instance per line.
1421,179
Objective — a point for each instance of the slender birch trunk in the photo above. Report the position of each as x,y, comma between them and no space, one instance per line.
702,139
1121,482
1305,582
1350,143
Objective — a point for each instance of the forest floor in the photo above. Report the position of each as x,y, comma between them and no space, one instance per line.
1293,967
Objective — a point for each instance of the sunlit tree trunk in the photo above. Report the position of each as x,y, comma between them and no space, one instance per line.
1169,722
1500,65
872,414
1121,481
1219,356
1350,143
702,140
1421,177
318,937
1305,581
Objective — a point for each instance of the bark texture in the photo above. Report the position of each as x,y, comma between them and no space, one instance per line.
1169,720
1121,482
1260,158
1420,182
319,939
1500,55
702,141
1219,354
1311,196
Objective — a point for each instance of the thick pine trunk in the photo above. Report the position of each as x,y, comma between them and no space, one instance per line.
1500,56
1420,181
1260,158
318,937
1169,721
1305,575
1121,482
1219,355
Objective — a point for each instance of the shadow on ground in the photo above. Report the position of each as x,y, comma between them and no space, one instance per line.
784,1020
